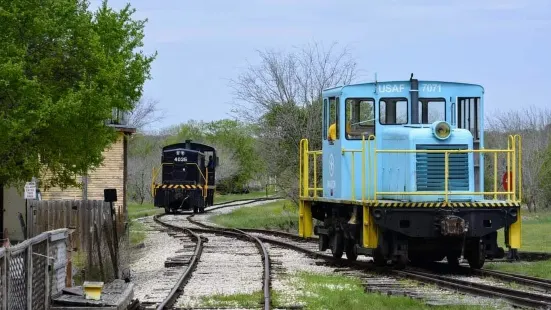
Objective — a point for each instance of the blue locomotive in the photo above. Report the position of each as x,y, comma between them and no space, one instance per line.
187,177
402,176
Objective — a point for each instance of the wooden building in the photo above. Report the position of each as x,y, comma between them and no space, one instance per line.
112,173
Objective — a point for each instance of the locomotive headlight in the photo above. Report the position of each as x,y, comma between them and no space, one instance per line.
441,130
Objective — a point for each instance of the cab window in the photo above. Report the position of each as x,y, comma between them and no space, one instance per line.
360,118
333,126
393,111
432,110
325,125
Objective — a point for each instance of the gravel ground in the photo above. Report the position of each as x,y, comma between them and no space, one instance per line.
287,262
284,264
152,281
499,283
231,266
227,266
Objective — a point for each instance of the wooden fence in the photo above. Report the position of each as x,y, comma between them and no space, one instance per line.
90,224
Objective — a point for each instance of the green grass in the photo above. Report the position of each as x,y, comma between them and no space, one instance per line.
317,291
235,300
281,215
218,198
535,236
137,232
339,292
541,269
136,210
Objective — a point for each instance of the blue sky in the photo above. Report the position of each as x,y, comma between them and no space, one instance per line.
503,45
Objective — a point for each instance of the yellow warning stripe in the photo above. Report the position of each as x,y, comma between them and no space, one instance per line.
444,205
174,186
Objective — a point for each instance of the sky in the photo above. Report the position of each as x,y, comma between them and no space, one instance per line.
504,45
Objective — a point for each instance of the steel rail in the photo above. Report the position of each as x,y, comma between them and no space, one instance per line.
266,259
177,289
516,297
513,277
237,233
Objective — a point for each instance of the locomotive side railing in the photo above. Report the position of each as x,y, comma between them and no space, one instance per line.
514,161
513,192
304,170
155,173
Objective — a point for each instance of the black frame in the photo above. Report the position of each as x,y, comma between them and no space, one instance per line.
435,99
394,98
464,105
359,99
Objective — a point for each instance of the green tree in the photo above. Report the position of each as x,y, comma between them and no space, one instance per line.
235,143
282,96
63,69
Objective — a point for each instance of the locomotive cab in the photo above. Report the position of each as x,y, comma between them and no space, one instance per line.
402,175
187,174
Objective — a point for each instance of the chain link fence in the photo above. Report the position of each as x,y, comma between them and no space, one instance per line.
32,271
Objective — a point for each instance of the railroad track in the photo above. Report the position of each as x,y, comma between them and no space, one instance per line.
232,233
513,296
172,295
309,247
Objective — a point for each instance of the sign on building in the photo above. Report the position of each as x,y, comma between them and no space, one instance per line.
30,190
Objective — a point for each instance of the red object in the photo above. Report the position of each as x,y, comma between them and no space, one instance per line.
505,180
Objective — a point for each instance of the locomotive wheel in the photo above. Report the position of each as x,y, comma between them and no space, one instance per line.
202,209
476,255
378,258
453,260
351,250
337,245
401,262
167,210
323,243
195,209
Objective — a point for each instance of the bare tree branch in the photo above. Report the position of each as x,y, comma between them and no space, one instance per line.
282,96
145,113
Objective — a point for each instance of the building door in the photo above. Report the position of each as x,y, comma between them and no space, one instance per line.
331,147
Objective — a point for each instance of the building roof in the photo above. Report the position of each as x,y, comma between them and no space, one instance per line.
124,128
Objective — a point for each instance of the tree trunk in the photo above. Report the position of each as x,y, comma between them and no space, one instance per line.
1,211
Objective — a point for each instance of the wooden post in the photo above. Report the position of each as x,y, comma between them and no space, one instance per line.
110,247
99,252
88,232
115,240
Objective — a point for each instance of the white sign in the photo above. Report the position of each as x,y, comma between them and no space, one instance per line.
30,190
432,88
389,88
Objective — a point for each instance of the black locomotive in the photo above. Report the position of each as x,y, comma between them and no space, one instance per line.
187,177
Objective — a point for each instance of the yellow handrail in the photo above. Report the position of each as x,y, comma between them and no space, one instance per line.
514,169
155,173
353,183
304,171
519,140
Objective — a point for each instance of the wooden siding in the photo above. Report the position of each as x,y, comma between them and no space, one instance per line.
110,174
